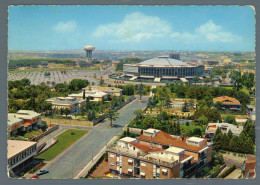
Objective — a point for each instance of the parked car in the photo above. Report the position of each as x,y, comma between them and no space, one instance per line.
35,177
41,172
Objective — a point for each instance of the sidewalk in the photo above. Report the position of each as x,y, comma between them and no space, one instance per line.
85,171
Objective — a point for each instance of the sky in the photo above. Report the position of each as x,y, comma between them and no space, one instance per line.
179,28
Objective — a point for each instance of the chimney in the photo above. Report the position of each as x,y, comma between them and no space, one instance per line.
182,137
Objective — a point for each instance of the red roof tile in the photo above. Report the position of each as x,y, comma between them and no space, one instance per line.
166,139
226,100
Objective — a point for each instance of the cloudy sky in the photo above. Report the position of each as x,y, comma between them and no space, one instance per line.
224,28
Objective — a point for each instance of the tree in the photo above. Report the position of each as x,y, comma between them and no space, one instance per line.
112,115
217,138
61,111
230,119
168,102
218,104
185,107
207,80
75,115
196,79
66,111
101,82
138,114
149,122
140,90
203,120
84,95
223,75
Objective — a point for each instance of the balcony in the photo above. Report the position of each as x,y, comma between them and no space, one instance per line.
190,170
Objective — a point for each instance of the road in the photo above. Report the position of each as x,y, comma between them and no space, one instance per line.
70,164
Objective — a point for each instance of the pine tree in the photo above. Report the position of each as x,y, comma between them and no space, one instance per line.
217,138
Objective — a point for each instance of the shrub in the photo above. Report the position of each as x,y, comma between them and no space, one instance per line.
228,171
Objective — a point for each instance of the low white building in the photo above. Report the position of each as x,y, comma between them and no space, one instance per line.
19,155
93,95
224,127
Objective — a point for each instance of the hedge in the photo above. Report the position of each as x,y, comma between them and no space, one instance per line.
228,171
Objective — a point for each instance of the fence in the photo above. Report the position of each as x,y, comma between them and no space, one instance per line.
101,118
45,133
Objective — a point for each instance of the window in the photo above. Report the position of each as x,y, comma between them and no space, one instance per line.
134,148
143,164
164,171
112,155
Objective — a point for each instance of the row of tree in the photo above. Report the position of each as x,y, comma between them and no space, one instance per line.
36,62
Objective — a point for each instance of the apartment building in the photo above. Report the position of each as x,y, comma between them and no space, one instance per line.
248,167
156,154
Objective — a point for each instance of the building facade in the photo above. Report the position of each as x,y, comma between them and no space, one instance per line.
19,155
163,67
147,158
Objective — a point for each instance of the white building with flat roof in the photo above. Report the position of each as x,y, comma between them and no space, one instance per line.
224,127
19,155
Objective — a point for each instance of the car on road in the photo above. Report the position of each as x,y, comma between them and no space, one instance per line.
35,177
41,172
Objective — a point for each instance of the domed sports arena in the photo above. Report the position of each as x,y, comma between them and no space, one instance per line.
163,67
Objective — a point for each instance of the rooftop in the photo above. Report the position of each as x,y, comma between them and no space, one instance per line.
195,139
212,127
16,146
163,61
12,119
226,100
107,89
89,48
166,139
128,139
64,101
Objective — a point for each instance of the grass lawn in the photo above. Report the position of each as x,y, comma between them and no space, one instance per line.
65,140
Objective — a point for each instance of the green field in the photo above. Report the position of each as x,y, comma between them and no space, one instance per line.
65,140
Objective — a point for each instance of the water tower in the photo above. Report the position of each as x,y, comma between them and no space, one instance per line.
89,50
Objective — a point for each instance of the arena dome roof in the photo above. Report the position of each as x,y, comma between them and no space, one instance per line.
163,61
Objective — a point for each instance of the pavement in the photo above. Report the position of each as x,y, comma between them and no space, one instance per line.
82,153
